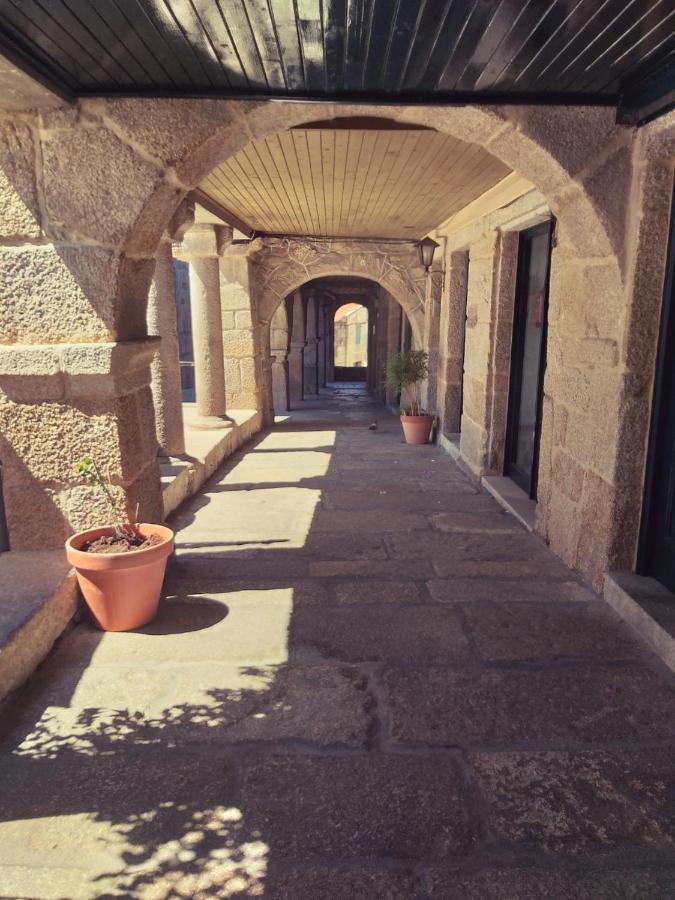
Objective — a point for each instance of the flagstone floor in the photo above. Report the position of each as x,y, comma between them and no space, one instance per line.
366,681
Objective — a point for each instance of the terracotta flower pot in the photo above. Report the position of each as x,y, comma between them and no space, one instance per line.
417,429
121,589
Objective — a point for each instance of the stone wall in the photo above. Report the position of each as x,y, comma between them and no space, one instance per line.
241,343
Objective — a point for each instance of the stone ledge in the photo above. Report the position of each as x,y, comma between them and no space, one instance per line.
205,451
512,498
648,607
38,597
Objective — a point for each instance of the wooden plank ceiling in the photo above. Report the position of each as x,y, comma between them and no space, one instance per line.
571,51
352,182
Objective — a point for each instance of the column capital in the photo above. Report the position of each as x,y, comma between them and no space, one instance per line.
204,241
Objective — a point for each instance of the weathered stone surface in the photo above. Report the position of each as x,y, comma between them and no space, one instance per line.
199,703
467,590
170,129
442,707
325,883
45,294
580,803
339,521
385,632
358,806
20,208
527,630
107,183
556,884
358,592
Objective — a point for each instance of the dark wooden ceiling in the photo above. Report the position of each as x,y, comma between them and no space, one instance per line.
415,51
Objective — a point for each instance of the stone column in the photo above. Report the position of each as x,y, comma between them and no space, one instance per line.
279,359
451,343
432,318
204,244
321,342
373,325
329,313
393,342
384,304
311,362
166,388
243,356
296,354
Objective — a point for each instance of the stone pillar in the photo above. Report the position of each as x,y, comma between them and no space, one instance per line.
241,347
166,388
487,354
393,342
321,342
311,362
279,359
451,343
296,354
204,244
432,318
329,313
384,304
372,306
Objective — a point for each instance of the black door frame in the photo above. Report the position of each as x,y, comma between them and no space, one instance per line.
666,343
529,485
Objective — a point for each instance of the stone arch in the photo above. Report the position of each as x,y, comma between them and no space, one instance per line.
100,190
403,288
567,152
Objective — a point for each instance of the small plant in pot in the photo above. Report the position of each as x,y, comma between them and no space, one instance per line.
120,567
406,372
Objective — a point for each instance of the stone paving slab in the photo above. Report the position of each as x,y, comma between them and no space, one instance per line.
581,803
532,630
368,521
245,628
476,521
584,704
514,546
358,592
382,632
415,569
194,703
468,590
334,883
542,884
352,806
462,497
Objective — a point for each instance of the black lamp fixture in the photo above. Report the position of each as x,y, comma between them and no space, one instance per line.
426,249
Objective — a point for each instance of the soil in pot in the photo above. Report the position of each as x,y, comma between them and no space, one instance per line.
122,543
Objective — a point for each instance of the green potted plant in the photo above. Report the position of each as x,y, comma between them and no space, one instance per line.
120,567
406,372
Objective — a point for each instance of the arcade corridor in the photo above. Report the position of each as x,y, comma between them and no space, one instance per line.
366,681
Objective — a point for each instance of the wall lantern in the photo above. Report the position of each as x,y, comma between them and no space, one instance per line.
426,249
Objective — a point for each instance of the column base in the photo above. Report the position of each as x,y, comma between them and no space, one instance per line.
209,423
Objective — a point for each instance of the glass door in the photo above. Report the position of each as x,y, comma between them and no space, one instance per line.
528,357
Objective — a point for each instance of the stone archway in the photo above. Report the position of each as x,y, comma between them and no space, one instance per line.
283,265
90,190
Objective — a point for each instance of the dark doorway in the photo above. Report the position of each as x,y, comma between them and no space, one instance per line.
657,538
528,357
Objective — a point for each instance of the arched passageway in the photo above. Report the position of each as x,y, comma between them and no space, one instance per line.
99,260
305,343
